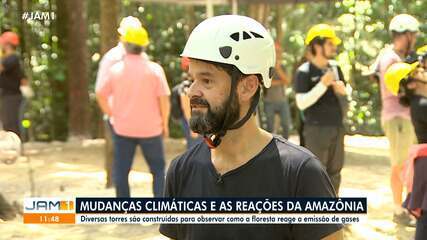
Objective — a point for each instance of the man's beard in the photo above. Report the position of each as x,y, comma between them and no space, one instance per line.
212,121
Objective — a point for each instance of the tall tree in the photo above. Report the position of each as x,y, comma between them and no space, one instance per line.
109,10
108,23
77,69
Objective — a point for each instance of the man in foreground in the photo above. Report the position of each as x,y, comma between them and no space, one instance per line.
231,57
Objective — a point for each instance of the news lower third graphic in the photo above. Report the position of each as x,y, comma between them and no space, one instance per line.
195,210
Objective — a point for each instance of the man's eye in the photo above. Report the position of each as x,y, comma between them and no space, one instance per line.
207,81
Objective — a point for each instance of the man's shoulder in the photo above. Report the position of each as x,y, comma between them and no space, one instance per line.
190,158
154,66
117,68
291,154
114,54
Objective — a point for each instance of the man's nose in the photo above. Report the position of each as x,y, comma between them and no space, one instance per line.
194,90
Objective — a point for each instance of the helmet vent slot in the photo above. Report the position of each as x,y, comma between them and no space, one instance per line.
235,36
246,35
257,35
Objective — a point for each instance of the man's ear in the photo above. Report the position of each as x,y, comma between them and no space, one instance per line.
247,87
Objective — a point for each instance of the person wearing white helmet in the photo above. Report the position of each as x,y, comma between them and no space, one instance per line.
395,118
231,58
111,57
139,114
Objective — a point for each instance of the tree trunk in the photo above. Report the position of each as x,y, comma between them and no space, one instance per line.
279,21
191,19
259,12
109,10
108,24
77,69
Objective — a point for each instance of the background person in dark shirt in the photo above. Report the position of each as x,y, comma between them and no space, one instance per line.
318,84
409,82
11,75
239,159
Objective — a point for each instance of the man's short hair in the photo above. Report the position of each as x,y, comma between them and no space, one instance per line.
133,48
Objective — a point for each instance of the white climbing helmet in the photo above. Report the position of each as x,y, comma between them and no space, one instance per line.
237,40
404,23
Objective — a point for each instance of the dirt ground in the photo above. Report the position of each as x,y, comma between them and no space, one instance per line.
76,169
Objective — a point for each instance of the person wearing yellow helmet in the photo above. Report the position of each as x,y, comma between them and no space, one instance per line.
139,112
395,118
111,57
319,85
409,83
137,36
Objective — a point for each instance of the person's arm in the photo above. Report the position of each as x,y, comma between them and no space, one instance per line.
163,92
305,100
338,235
110,58
102,95
26,89
282,76
339,85
339,88
164,111
103,104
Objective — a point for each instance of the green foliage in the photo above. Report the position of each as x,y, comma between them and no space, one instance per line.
361,24
363,27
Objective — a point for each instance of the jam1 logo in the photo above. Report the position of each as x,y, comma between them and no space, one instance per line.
48,205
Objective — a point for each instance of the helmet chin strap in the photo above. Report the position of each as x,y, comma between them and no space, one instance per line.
214,140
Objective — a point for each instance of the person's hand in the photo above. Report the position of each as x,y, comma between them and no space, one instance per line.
339,88
328,78
165,132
